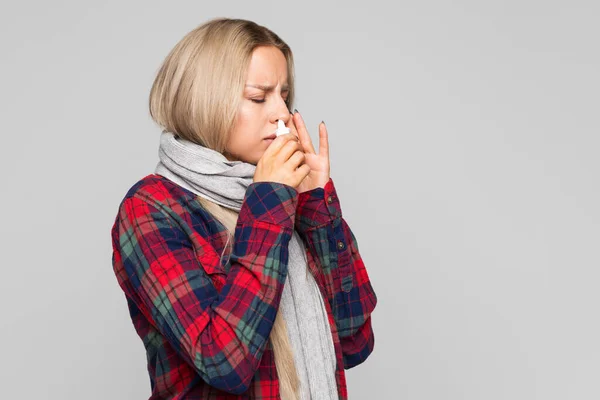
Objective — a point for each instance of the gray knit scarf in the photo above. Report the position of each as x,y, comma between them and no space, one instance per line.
211,175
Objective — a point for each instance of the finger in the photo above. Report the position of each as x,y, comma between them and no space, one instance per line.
291,136
305,139
302,172
293,130
289,148
296,159
279,142
323,140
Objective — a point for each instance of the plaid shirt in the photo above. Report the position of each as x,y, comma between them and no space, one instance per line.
205,325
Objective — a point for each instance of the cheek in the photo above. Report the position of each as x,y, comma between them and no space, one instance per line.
248,129
242,121
250,121
248,115
243,112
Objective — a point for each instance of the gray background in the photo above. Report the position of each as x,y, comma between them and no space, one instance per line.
464,141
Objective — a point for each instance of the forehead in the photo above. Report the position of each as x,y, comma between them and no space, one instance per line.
267,66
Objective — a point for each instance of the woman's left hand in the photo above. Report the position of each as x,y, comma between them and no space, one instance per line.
318,163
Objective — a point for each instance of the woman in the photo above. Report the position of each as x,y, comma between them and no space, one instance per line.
242,278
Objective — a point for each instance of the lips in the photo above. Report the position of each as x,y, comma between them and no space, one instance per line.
273,136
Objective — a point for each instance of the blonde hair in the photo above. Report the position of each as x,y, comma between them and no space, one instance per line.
196,95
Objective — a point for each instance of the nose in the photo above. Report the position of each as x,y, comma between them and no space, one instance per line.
282,113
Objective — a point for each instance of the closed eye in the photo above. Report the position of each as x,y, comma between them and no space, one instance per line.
263,100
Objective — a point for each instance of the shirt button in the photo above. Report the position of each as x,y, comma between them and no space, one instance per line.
329,200
340,245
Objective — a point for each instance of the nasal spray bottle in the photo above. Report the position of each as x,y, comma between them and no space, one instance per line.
281,128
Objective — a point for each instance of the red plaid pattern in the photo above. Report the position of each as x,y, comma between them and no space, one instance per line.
205,325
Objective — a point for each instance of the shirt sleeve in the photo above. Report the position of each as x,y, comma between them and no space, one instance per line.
222,335
356,348
350,293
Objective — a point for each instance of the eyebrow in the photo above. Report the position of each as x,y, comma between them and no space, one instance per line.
268,88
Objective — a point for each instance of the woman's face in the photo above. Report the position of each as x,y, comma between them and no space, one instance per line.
260,108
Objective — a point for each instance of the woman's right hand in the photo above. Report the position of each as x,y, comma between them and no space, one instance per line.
281,162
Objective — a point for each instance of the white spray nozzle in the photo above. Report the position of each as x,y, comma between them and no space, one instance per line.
281,128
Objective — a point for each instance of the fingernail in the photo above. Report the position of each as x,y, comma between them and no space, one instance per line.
295,110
